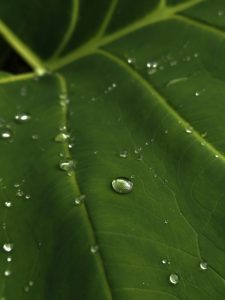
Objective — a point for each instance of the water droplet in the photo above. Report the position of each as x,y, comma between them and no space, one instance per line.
173,63
176,80
9,259
67,165
166,221
123,154
196,55
94,249
31,283
79,200
122,185
216,155
131,60
8,247
27,196
23,91
188,130
174,278
22,118
8,204
203,265
19,193
35,137
26,289
6,134
164,261
7,273
70,146
204,134
16,185
62,137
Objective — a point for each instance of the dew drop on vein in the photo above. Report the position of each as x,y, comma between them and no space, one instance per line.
79,200
62,137
203,265
122,185
67,165
94,249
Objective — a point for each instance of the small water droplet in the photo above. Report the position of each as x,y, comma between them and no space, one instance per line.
94,249
9,259
62,137
70,146
8,247
140,157
35,137
19,193
166,221
216,155
204,134
26,289
16,185
188,130
131,60
7,273
40,71
122,185
23,91
6,134
164,261
31,283
8,204
67,165
176,80
174,278
22,118
196,55
27,196
203,265
123,154
220,13
79,200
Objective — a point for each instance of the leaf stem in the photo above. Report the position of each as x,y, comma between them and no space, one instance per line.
25,52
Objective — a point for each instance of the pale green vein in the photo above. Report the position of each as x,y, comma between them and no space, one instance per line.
160,14
107,18
70,30
83,208
14,78
180,120
200,25
22,49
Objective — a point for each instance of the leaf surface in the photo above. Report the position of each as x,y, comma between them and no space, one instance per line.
147,84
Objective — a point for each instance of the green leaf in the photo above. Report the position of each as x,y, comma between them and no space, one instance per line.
129,90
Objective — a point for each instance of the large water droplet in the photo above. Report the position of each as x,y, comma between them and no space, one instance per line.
67,165
8,247
203,265
94,249
62,137
174,278
22,118
79,200
122,185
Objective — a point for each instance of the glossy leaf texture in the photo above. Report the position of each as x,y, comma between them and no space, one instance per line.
119,89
